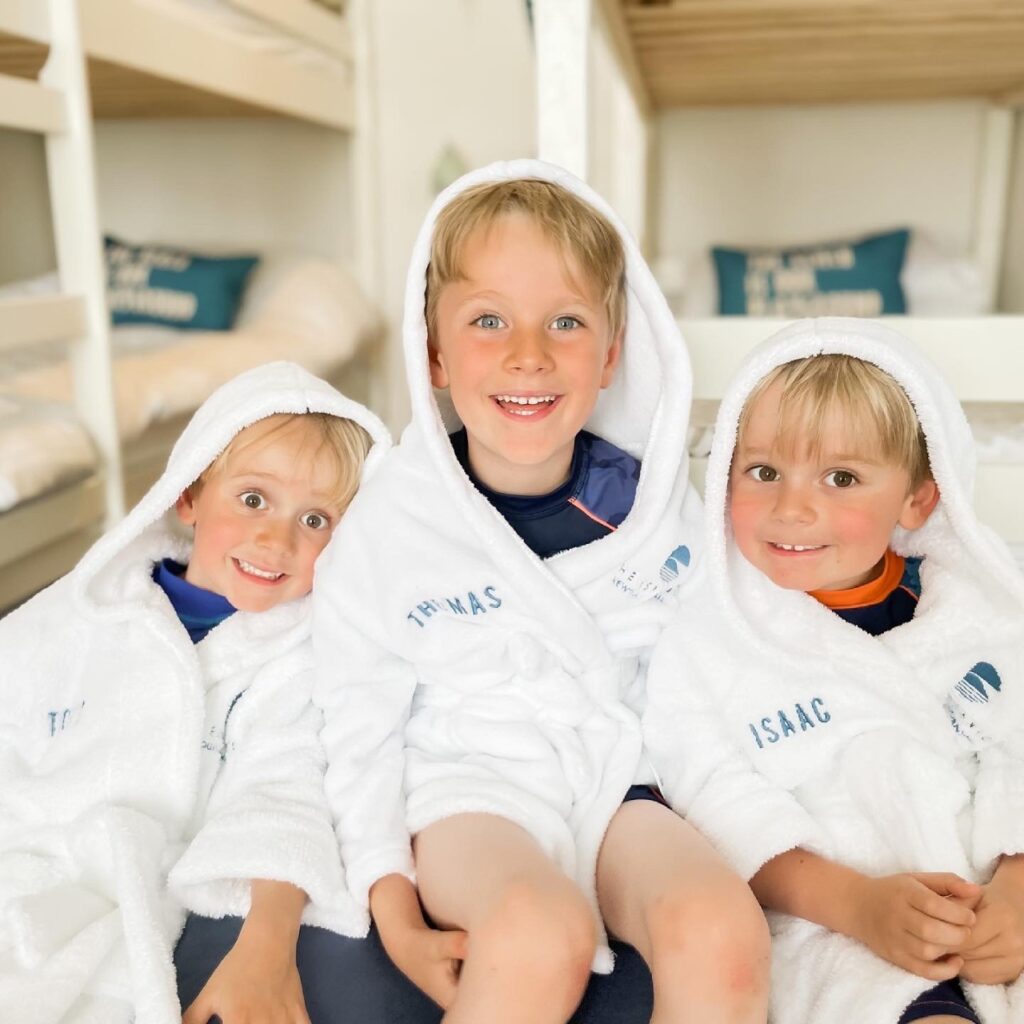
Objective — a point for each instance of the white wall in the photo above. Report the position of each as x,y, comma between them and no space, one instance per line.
805,174
26,228
257,185
447,73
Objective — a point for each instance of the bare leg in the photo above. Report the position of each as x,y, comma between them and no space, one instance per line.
665,890
531,933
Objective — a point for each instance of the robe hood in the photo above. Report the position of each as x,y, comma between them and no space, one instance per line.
952,535
280,387
645,409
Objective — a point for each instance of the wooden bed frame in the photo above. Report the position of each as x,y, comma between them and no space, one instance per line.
64,62
674,53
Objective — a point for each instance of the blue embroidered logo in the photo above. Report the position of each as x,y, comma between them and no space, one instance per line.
468,604
978,686
972,686
679,558
779,726
60,720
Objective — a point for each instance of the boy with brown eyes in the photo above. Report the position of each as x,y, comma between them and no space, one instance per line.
842,714
159,751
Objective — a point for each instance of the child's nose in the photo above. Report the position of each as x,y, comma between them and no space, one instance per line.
276,535
793,504
528,351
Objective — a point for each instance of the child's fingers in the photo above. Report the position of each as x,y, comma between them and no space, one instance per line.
936,938
945,883
929,902
992,970
934,970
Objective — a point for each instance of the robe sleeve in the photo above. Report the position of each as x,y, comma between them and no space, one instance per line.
365,692
715,786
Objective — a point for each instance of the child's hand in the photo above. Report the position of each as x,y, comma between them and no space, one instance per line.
429,958
919,922
253,983
994,953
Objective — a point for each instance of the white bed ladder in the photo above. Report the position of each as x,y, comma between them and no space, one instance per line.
57,107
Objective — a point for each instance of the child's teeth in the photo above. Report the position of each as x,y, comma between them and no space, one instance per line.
798,547
262,573
524,400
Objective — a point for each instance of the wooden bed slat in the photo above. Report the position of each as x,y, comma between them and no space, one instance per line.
180,53
31,321
714,52
26,19
28,106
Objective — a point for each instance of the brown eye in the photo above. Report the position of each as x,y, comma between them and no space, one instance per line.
841,478
763,474
253,500
316,521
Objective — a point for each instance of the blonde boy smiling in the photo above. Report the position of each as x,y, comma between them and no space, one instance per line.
515,795
878,829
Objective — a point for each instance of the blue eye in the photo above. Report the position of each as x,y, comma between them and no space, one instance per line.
489,322
253,500
566,323
840,478
316,521
763,474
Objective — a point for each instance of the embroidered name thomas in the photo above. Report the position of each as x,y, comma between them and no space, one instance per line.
469,604
781,725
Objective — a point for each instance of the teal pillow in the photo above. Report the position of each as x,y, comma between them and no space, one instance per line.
835,279
157,284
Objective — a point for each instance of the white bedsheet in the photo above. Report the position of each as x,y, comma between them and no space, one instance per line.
310,312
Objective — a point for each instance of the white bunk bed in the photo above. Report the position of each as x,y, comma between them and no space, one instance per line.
61,64
666,54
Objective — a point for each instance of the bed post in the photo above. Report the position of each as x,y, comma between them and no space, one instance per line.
992,194
72,178
562,37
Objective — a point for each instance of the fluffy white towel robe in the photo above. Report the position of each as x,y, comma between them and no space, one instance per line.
458,671
119,763
775,724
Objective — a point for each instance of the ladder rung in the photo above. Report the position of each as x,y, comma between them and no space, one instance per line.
26,19
28,106
33,321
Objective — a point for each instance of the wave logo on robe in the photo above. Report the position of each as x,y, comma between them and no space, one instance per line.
679,559
977,686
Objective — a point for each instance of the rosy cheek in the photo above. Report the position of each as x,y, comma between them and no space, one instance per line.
856,525
744,513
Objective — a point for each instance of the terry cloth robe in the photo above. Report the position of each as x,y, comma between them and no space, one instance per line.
464,674
127,753
774,724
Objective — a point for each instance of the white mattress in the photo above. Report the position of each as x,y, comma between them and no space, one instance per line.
310,312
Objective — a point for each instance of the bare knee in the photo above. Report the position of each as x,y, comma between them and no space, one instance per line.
718,935
540,935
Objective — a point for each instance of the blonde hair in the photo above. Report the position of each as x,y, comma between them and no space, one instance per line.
578,231
814,387
344,441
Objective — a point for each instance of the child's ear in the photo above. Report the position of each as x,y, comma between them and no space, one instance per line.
438,374
920,504
611,359
185,507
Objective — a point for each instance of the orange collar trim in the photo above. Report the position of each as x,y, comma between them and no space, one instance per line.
873,592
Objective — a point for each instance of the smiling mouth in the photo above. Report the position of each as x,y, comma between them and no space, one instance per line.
254,571
796,548
525,405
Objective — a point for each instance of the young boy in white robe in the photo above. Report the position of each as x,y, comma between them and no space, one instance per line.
159,750
519,557
842,715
